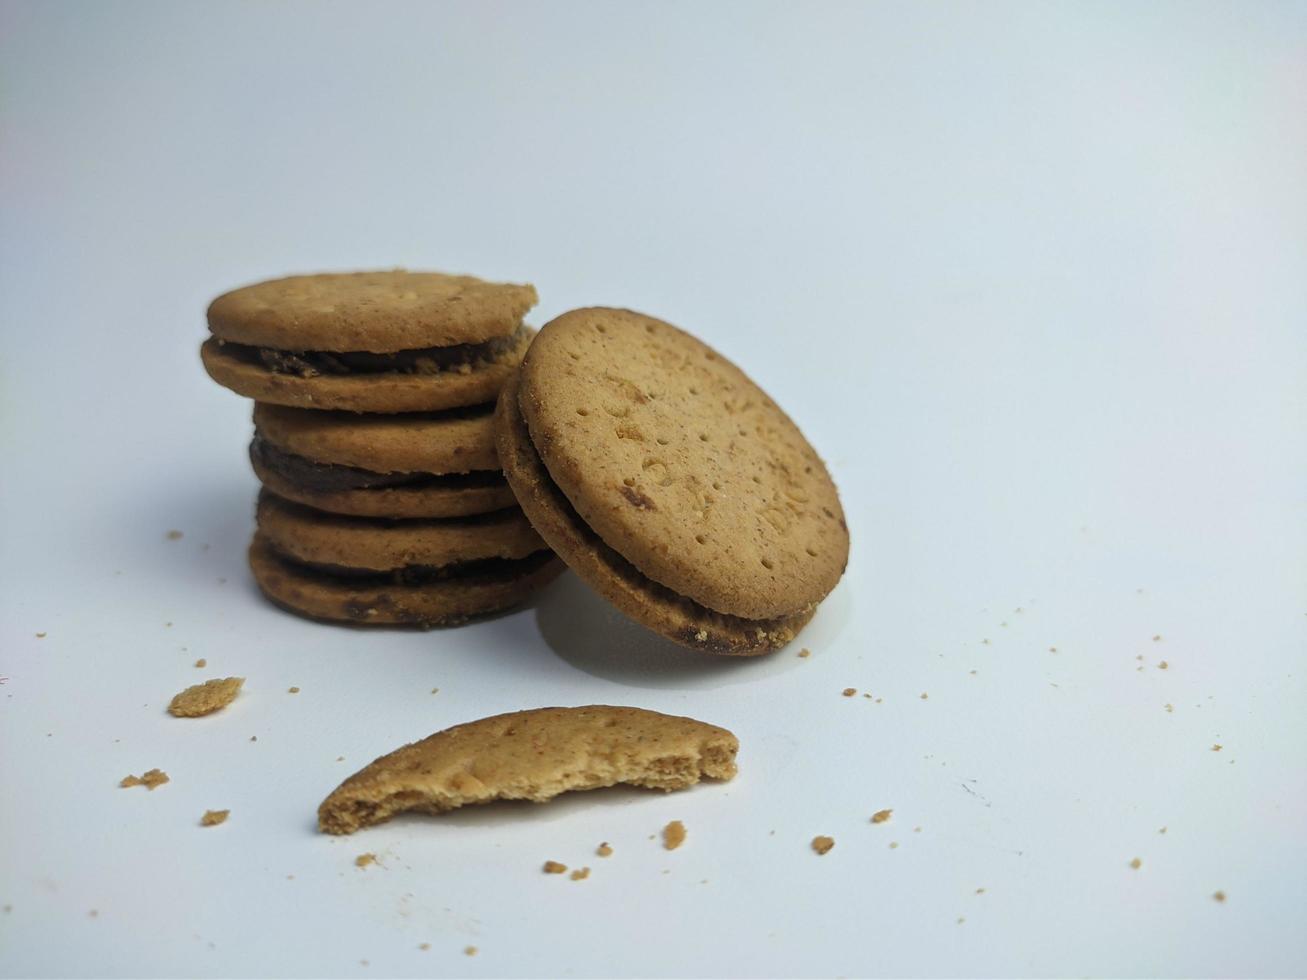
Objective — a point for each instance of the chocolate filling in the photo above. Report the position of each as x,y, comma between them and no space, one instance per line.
330,477
425,360
471,572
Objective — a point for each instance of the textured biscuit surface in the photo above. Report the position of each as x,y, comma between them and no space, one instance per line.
366,602
470,384
458,441
378,545
381,312
683,465
532,755
397,502
617,580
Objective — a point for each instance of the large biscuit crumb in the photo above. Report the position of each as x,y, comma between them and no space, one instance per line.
880,816
673,835
604,850
580,874
212,818
531,755
553,868
363,860
822,844
204,699
149,779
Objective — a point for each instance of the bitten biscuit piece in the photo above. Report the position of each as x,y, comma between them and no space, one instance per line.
392,341
531,755
206,698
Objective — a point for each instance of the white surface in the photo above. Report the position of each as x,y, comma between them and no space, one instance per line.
1030,277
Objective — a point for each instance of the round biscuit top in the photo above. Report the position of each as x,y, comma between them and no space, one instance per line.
377,312
682,464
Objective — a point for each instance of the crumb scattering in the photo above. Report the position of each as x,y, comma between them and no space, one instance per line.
1219,896
174,535
604,850
673,835
363,860
212,818
204,699
822,844
805,652
580,874
1136,864
554,868
292,690
149,779
850,691
880,816
201,662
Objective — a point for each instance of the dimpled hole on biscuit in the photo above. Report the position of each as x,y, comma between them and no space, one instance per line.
702,539
583,411
768,564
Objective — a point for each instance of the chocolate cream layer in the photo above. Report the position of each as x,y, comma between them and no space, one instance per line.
331,477
426,360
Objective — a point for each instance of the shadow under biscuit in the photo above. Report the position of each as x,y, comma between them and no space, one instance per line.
590,634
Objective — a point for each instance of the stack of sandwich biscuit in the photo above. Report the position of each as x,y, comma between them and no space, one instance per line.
383,499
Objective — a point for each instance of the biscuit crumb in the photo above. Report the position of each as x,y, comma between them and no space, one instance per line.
201,662
1052,649
94,913
1219,896
363,860
40,636
149,779
1157,638
469,951
554,868
893,844
212,818
880,816
1136,864
292,690
254,738
822,844
701,636
1163,665
805,652
673,835
424,946
848,692
916,830
603,850
980,891
961,919
173,535
924,696
1162,830
435,690
1169,708
1217,747
206,698
580,874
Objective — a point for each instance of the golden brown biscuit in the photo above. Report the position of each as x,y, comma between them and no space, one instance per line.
408,465
364,544
381,312
617,580
470,381
413,596
682,465
531,755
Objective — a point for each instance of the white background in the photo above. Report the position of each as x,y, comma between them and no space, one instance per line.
1031,278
